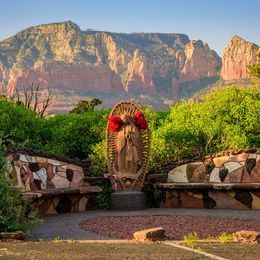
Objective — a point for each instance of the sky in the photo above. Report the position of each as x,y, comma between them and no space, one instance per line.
212,21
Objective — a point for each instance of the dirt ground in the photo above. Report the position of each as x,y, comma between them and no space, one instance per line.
120,250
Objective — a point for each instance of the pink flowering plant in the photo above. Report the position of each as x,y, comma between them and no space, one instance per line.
114,179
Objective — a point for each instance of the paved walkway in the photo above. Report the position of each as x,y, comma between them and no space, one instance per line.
66,226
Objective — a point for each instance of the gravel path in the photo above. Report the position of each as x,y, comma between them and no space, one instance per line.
176,226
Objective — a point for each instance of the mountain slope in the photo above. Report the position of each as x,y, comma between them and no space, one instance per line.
63,57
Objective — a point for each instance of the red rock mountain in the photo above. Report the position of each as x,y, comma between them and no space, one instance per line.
236,56
63,57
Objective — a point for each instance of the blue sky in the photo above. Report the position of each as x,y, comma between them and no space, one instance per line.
213,21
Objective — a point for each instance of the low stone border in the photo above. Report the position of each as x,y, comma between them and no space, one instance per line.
17,235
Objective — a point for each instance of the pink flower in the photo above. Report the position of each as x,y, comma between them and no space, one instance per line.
115,177
115,186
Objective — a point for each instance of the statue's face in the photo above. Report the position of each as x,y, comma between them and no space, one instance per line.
129,132
132,135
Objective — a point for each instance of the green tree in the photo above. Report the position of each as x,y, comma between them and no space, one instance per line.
74,135
226,119
86,106
19,126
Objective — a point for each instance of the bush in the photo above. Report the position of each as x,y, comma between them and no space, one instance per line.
14,211
227,119
19,126
74,135
98,159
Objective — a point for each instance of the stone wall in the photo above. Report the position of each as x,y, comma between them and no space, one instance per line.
230,167
55,184
235,167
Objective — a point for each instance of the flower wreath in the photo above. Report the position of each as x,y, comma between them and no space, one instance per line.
115,122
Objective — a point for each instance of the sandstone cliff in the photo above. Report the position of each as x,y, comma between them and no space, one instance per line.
61,56
236,56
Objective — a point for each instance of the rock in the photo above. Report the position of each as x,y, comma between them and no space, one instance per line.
189,200
248,236
196,173
250,164
236,175
219,161
214,176
255,173
172,199
152,234
200,61
223,171
178,174
236,56
225,201
18,235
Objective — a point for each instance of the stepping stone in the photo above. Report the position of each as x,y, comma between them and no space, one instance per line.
152,234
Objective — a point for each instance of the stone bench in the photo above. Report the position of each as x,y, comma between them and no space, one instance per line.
230,180
208,186
55,184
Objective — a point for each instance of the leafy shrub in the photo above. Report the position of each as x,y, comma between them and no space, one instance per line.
74,135
98,159
14,211
227,119
19,126
104,197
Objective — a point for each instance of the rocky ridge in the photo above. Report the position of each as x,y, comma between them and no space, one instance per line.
158,67
61,56
237,55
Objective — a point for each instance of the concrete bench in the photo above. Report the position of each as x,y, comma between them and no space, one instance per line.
228,181
55,184
208,186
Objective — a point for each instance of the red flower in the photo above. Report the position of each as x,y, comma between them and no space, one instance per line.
142,123
138,114
115,119
115,123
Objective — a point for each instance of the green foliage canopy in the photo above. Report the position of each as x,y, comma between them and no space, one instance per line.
86,106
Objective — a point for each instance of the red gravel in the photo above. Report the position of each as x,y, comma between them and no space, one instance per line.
176,226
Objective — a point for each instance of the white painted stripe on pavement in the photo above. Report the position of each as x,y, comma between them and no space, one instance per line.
194,250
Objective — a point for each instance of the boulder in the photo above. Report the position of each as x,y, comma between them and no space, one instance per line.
248,236
152,234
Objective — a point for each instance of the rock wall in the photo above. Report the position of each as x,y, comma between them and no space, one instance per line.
229,168
236,56
55,184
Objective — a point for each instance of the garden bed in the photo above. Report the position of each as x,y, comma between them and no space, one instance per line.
176,226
